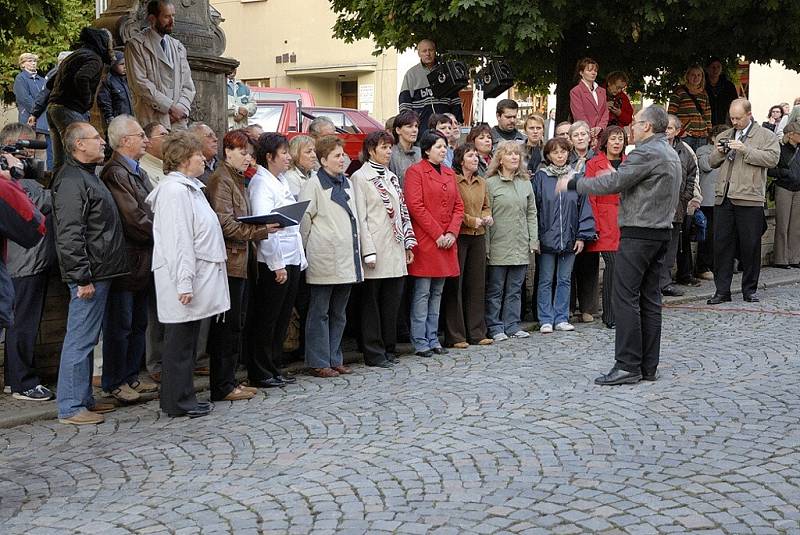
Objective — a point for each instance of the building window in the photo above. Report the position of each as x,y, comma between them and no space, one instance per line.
257,82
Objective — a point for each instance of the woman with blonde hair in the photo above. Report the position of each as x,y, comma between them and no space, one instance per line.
510,240
304,162
689,102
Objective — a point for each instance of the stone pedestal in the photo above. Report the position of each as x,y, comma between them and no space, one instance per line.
197,27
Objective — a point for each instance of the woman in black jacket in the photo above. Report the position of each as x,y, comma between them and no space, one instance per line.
787,199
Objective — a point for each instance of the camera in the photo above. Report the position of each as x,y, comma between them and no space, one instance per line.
32,168
724,144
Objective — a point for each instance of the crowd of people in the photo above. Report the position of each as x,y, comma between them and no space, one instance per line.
430,235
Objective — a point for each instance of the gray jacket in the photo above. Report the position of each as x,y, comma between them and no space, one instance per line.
648,182
22,261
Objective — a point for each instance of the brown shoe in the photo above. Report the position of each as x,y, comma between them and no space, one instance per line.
246,388
324,372
586,318
461,345
238,394
125,394
101,408
202,370
156,376
486,342
83,418
344,370
144,387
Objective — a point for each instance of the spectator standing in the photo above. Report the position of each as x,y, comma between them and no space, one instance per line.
436,213
740,195
787,200
506,128
648,183
125,320
241,105
481,137
416,94
565,223
90,243
704,267
440,122
304,161
580,137
281,262
330,230
29,269
620,111
587,100
532,154
387,229
74,86
210,149
562,130
27,87
789,116
464,296
721,92
114,95
160,76
774,118
550,125
405,152
510,240
188,267
689,102
152,162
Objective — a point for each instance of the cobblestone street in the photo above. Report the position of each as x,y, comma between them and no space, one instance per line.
509,438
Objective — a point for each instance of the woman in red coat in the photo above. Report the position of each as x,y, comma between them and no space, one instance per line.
436,210
587,100
606,209
620,110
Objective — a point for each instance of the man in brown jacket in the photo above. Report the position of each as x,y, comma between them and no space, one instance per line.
125,320
743,155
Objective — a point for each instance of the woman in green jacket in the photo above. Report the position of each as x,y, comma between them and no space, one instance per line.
509,241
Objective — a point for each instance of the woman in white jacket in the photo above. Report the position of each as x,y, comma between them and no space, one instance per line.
188,268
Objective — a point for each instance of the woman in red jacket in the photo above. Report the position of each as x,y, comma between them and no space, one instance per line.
606,208
620,111
436,210
587,100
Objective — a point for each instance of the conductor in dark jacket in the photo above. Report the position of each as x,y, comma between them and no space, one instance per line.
125,321
114,96
90,245
648,183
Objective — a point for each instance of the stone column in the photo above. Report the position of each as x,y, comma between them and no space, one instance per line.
198,29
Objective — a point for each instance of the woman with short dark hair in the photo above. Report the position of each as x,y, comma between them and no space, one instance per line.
436,213
481,137
773,117
404,151
386,228
587,100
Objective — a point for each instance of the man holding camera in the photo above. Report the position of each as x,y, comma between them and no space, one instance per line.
743,155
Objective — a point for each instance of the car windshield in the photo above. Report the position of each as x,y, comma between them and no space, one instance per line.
267,117
340,120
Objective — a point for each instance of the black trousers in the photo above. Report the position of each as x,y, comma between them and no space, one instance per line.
705,248
665,278
273,311
742,226
463,297
585,275
20,366
609,258
685,262
637,303
177,368
380,305
225,341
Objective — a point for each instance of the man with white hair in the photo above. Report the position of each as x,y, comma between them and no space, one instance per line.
125,321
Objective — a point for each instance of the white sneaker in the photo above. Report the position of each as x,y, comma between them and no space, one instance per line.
6,389
521,334
546,328
565,326
499,337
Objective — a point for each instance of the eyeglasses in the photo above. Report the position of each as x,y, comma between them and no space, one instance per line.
139,135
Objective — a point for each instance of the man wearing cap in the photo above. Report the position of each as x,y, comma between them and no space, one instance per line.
114,96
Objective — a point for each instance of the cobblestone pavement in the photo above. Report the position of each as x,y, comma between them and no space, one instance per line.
511,438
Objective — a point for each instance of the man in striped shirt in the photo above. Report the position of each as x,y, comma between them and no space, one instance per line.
416,93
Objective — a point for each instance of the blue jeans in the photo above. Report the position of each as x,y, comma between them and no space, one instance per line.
84,320
325,324
426,298
503,298
554,310
124,328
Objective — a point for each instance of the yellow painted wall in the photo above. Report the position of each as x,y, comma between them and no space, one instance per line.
258,31
771,84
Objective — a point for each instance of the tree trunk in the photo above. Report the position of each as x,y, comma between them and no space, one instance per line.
573,48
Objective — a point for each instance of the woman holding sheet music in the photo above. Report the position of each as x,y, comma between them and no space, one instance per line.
280,261
228,198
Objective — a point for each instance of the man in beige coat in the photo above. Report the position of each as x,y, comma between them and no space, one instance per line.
158,71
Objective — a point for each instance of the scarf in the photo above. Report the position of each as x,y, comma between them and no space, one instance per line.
401,227
557,171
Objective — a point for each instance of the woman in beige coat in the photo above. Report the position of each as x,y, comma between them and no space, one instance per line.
330,229
386,228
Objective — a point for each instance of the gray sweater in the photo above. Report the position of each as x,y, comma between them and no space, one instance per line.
648,182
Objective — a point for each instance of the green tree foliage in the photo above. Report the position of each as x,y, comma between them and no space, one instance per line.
44,27
542,40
